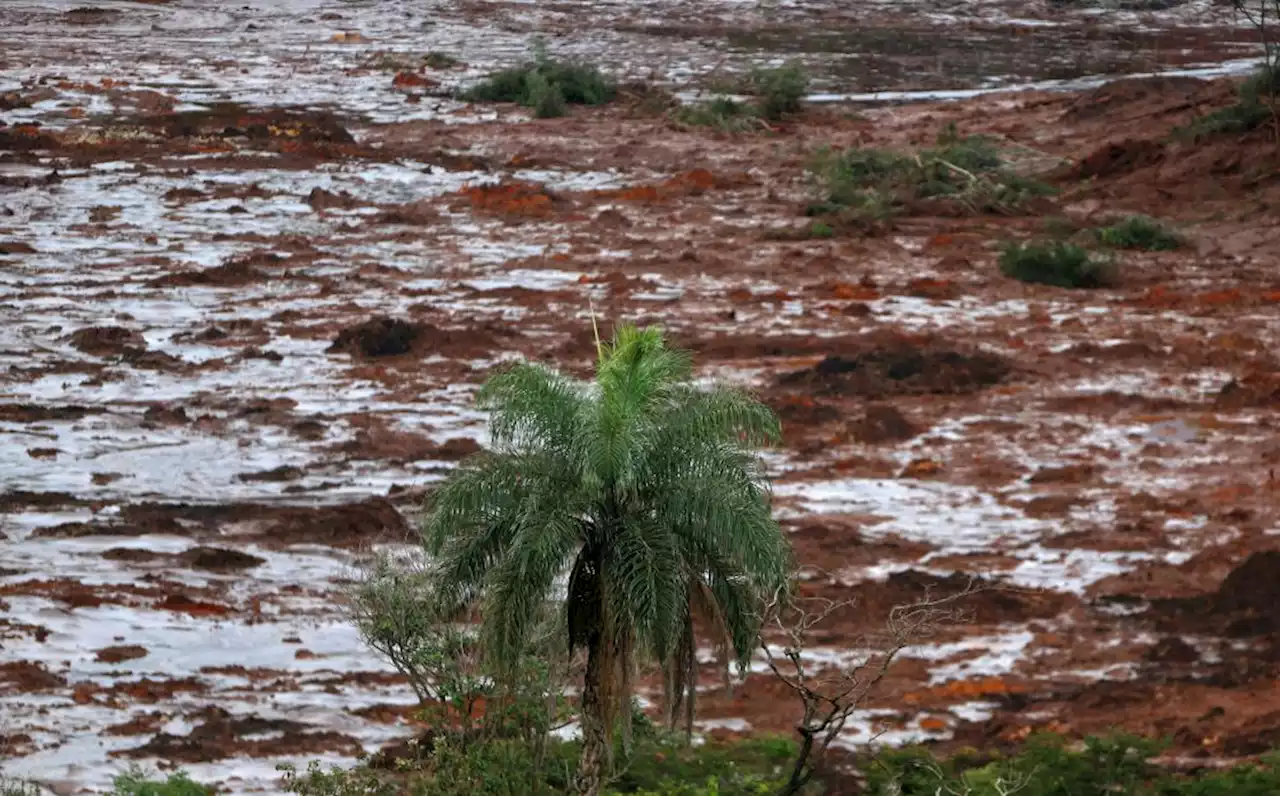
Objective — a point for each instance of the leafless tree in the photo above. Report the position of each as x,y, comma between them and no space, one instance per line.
830,695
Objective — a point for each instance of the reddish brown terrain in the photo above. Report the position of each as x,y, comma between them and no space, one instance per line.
254,262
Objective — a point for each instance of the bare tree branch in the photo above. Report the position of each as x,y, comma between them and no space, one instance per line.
831,694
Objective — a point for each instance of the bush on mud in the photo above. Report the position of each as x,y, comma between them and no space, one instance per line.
720,113
1055,263
780,90
546,84
779,93
968,173
1254,108
136,782
1140,232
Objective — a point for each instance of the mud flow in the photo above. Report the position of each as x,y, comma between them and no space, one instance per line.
255,261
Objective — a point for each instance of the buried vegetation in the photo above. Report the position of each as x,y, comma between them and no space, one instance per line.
779,92
967,174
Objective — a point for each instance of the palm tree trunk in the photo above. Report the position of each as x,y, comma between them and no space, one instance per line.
591,763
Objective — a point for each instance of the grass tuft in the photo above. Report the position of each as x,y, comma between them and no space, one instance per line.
1055,263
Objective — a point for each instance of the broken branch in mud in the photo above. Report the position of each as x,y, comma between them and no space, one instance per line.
831,695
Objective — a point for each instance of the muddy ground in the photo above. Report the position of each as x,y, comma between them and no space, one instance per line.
254,262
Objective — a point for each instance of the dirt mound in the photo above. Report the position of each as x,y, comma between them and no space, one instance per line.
320,199
1246,604
119,654
24,677
391,337
219,559
749,346
1120,157
229,120
1131,96
33,413
372,520
1254,587
218,735
233,273
108,341
1256,389
900,367
988,604
880,423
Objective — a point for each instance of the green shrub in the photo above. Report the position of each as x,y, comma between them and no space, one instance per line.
545,84
1257,94
721,113
1140,232
781,90
967,172
1054,263
1262,86
135,782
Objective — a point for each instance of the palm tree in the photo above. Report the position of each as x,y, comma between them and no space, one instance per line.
639,486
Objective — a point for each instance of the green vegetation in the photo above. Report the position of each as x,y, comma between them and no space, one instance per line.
1049,766
1255,107
660,764
721,113
439,60
645,490
780,90
968,173
779,93
1140,232
1056,263
136,782
545,84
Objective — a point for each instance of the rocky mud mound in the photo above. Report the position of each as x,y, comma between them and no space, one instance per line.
384,337
885,368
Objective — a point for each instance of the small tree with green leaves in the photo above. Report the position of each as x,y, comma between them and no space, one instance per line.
638,492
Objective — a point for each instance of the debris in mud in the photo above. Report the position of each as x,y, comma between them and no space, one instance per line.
108,341
10,247
119,654
230,120
1120,158
281,473
32,413
218,735
321,199
1149,95
234,273
24,677
390,337
512,199
881,423
1258,388
900,367
379,337
219,559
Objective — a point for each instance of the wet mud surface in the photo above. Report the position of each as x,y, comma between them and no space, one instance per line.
251,276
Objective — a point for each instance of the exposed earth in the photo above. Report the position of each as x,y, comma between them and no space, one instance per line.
254,261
